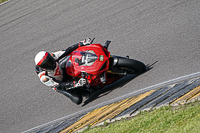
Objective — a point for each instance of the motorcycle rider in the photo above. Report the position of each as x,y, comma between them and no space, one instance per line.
52,74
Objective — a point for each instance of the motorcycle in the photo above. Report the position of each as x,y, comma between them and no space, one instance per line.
94,63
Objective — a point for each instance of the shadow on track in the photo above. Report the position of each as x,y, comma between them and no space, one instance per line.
118,84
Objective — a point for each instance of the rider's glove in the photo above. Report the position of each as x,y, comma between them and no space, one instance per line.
86,42
80,83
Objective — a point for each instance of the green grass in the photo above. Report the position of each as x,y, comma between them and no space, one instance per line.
182,119
1,1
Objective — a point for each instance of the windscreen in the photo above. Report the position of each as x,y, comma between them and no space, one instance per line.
86,58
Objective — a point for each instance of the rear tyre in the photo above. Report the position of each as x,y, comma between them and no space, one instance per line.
130,66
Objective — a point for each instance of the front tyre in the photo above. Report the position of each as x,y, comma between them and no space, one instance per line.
131,66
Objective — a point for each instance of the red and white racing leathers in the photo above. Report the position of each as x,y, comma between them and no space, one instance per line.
49,78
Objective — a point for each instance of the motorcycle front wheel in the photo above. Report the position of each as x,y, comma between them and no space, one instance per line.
130,66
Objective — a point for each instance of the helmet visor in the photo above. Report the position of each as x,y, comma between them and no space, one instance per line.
49,63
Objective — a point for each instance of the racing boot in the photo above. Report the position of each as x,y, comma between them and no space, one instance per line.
85,93
74,95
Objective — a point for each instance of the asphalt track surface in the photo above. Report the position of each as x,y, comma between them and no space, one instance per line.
164,34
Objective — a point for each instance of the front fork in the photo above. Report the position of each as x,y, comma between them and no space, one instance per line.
113,66
85,76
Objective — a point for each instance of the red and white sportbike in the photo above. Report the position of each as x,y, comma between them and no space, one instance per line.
94,63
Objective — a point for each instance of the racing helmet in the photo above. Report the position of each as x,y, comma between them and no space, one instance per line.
45,61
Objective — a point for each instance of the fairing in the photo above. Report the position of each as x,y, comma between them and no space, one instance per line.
92,59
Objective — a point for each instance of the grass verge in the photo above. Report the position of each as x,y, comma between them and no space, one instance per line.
1,1
180,119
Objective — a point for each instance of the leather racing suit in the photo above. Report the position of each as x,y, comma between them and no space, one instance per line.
58,80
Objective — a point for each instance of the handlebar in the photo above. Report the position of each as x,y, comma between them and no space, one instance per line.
92,40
